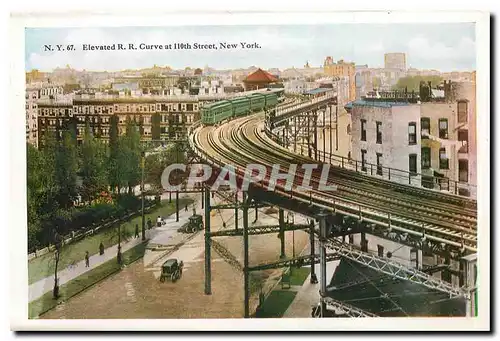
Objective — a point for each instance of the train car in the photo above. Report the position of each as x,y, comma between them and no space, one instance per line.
241,106
257,101
280,92
216,112
271,99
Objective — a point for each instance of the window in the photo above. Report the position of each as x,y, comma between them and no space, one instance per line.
363,130
412,164
363,160
379,132
443,128
443,159
425,125
412,133
463,170
463,137
379,164
462,111
426,157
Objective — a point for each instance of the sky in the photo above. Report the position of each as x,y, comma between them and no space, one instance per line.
444,47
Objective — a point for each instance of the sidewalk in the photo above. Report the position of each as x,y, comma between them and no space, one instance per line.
65,275
308,294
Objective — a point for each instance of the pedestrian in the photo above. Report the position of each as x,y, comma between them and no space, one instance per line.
87,261
150,224
158,221
119,255
101,249
136,230
186,208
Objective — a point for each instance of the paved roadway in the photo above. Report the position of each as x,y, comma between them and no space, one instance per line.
156,235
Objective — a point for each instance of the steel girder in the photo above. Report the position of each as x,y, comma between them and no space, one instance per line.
293,262
280,119
394,269
348,309
226,255
353,225
255,230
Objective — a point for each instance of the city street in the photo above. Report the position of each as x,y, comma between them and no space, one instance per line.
136,292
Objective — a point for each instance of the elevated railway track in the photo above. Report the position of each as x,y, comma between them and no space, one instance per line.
442,218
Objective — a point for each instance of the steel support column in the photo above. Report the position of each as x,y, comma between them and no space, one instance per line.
176,205
315,135
322,261
208,242
337,127
324,146
309,154
313,279
202,196
331,139
245,256
364,242
236,211
281,222
295,134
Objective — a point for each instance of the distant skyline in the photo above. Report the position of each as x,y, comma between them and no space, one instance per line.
444,47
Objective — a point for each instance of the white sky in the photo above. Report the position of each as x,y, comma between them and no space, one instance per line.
444,47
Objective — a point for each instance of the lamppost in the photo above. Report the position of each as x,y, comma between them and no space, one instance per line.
142,196
119,253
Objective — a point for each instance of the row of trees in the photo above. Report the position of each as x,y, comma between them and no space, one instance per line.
412,83
52,173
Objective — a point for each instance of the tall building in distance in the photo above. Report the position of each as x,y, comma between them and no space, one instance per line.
395,61
342,69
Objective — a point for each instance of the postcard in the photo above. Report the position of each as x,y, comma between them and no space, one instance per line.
243,171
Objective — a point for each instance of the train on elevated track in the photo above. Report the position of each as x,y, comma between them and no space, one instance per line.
217,112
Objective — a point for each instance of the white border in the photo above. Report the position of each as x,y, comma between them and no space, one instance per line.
18,254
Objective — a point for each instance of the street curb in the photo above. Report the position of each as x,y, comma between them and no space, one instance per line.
89,286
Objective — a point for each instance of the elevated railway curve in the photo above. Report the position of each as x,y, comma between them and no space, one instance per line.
448,220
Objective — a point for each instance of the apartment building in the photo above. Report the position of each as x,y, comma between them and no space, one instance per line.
34,93
54,116
32,97
385,139
426,139
342,69
395,61
157,118
448,139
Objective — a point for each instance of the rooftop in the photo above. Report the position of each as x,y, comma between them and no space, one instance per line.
318,91
374,103
260,76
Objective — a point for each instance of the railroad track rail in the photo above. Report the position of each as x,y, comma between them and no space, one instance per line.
240,143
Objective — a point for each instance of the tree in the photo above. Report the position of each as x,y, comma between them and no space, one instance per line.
156,164
130,146
115,172
412,83
41,191
66,167
93,157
